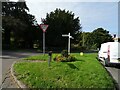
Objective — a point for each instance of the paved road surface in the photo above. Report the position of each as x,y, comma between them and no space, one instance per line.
114,70
8,57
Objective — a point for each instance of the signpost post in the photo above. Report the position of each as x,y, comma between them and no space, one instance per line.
69,37
44,28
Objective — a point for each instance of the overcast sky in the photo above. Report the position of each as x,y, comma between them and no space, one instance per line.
92,14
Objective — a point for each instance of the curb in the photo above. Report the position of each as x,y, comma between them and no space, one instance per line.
20,85
114,81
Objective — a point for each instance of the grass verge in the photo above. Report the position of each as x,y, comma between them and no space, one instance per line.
86,72
39,57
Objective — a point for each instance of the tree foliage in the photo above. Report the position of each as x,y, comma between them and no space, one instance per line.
101,36
60,22
17,24
93,40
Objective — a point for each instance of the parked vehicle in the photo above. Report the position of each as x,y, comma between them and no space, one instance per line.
109,53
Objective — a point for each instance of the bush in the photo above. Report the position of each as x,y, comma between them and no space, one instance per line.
64,53
61,58
71,58
64,57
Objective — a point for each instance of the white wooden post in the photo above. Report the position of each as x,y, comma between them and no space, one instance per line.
69,37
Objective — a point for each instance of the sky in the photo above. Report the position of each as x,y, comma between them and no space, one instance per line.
92,14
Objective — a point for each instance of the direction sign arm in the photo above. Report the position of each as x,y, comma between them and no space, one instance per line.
65,35
71,37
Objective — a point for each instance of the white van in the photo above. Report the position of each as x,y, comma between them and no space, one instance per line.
109,53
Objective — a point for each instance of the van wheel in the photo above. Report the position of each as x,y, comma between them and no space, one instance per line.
106,62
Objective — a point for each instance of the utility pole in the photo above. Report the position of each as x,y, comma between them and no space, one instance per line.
83,39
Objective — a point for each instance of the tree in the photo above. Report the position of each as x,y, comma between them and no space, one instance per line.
86,39
18,24
83,40
93,40
60,22
100,36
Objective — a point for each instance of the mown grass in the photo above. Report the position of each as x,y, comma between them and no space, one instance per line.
39,57
86,72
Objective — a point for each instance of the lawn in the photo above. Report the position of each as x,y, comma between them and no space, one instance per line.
37,57
40,57
86,72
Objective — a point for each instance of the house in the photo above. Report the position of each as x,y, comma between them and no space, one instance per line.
116,39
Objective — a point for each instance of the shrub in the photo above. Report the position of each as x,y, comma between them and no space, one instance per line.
71,58
64,53
64,57
60,58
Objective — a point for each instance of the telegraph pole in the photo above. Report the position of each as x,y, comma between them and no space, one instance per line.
83,39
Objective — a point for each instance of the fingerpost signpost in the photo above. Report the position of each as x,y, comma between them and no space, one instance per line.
69,37
44,28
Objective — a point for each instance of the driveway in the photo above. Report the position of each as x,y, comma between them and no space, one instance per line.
8,57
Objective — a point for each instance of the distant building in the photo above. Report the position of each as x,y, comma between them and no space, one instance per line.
115,38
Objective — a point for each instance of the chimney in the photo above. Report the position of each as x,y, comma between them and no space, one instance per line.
114,36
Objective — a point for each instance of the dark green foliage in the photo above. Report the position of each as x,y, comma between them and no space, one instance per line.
93,40
61,22
100,36
78,48
20,31
18,25
64,53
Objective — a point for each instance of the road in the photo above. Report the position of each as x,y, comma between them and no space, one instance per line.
114,71
8,57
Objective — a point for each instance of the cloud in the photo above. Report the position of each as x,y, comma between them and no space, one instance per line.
95,15
41,8
92,13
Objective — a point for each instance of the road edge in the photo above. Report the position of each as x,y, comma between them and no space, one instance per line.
20,85
114,81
